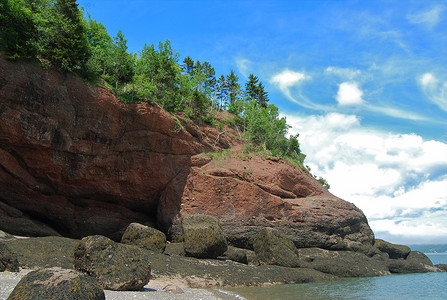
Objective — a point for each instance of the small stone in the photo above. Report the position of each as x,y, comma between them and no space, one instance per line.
170,288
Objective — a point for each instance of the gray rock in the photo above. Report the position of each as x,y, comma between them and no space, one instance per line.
57,283
274,248
236,254
145,237
442,267
116,266
416,262
203,236
342,263
394,251
43,252
8,260
171,288
175,249
4,236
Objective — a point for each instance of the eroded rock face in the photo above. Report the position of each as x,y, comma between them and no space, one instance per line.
76,161
249,194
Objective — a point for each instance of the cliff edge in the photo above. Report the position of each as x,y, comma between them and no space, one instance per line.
75,161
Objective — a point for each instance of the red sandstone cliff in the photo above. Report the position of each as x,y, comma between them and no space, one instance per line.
76,161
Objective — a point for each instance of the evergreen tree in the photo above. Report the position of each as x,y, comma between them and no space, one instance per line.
101,48
188,66
221,91
254,89
122,61
68,45
210,79
234,89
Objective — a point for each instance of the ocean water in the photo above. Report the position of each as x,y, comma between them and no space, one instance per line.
397,286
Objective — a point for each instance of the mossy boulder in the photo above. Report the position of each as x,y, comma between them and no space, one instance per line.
394,251
8,260
145,237
116,266
57,283
416,262
236,254
275,248
203,236
342,263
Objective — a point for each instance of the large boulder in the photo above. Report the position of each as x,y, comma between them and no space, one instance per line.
247,193
57,283
145,237
116,266
342,263
416,262
274,248
8,260
394,251
203,236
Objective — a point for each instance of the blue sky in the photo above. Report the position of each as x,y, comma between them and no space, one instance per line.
363,82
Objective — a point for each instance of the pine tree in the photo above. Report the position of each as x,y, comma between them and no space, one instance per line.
221,91
234,88
188,66
254,89
101,47
68,45
122,61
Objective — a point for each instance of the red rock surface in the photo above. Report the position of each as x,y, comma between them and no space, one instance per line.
80,161
247,195
76,161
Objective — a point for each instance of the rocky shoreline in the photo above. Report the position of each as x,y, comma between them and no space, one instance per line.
140,265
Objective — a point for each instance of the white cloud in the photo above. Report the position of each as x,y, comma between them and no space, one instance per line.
434,89
287,78
349,94
396,179
429,18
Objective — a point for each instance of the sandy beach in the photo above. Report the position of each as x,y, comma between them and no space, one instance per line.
153,290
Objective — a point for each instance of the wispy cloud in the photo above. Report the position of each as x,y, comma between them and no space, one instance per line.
243,65
396,113
434,89
288,82
344,73
429,18
349,94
